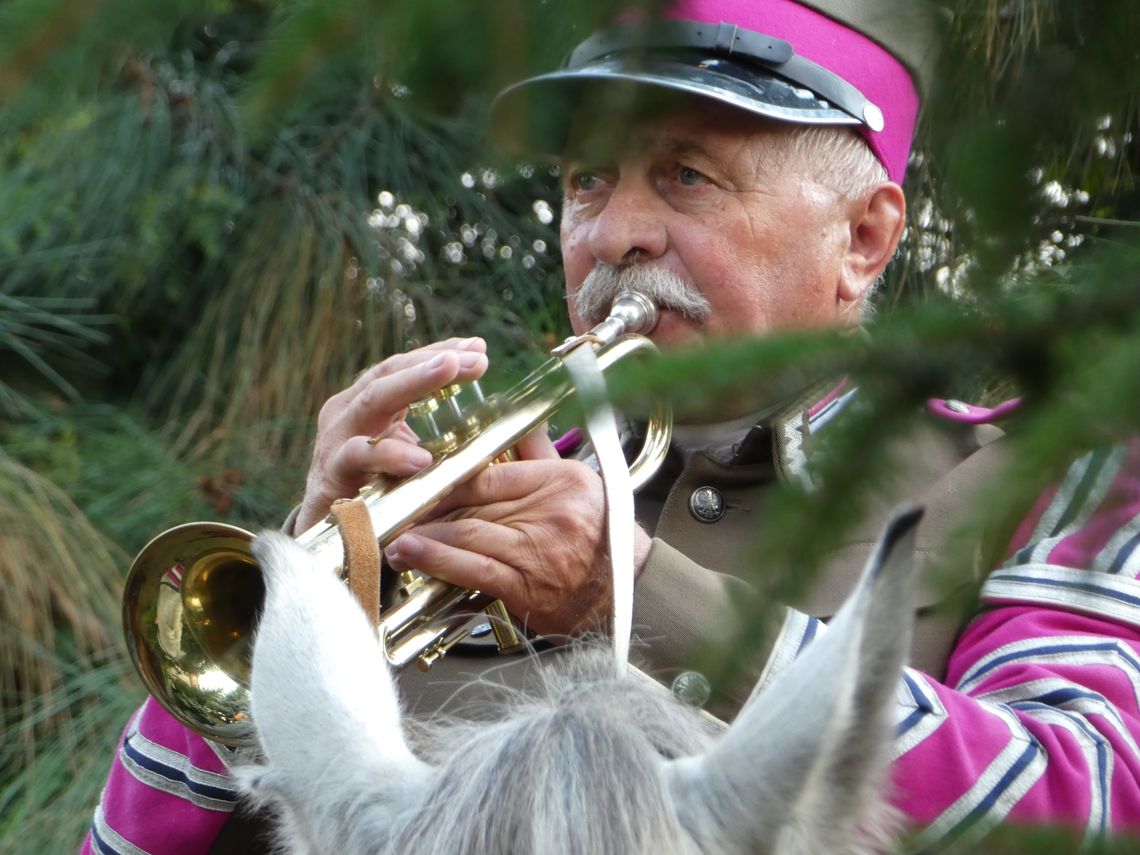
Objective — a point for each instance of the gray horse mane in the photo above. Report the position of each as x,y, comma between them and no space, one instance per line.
573,765
579,761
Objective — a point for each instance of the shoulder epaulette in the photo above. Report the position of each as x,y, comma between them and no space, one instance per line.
971,414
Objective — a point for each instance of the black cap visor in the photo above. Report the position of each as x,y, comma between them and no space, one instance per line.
543,105
747,70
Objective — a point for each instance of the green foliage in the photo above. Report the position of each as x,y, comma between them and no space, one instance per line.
63,685
33,329
56,750
181,285
1027,152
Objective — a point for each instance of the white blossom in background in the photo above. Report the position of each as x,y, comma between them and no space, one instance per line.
543,211
403,236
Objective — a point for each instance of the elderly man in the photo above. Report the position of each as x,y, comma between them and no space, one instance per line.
746,175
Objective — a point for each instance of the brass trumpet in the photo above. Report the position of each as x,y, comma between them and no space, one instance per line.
193,594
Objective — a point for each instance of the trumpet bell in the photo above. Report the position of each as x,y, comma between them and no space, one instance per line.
189,619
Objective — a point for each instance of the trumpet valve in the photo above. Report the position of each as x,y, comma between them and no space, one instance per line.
447,418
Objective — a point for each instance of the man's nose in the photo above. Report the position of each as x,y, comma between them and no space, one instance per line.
630,225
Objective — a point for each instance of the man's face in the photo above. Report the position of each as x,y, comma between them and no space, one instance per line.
714,196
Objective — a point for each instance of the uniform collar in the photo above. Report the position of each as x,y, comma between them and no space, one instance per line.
781,432
794,427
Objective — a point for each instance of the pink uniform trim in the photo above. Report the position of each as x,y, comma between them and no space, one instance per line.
828,399
863,63
569,442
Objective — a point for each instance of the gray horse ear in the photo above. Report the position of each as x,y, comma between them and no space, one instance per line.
802,767
321,689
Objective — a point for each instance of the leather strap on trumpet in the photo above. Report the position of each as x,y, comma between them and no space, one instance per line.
361,554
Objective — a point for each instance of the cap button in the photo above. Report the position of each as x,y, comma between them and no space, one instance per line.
873,116
707,504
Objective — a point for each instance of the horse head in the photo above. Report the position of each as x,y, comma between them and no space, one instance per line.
592,763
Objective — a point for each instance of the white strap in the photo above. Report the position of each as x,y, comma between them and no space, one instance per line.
602,429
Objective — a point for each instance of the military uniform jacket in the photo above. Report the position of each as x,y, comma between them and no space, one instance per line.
708,517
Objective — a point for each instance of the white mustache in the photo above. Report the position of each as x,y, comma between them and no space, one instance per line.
605,282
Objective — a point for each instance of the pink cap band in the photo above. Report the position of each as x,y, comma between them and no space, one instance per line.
863,63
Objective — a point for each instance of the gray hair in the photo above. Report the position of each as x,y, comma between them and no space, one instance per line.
838,158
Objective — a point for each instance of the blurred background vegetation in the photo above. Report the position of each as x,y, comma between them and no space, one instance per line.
215,213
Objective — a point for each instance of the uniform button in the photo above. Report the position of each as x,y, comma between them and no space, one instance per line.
707,504
692,688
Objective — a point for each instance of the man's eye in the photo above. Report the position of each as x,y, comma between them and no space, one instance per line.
583,182
689,176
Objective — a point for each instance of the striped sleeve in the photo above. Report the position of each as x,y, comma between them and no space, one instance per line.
168,791
1039,719
797,631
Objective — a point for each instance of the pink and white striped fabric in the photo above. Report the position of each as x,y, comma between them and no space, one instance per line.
1038,720
168,791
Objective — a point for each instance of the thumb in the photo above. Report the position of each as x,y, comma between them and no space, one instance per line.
537,445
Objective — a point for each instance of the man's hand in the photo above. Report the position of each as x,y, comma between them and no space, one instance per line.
530,532
361,431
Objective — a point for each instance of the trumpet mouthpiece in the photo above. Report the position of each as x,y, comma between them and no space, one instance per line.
637,311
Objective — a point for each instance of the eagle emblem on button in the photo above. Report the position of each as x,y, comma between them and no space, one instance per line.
707,504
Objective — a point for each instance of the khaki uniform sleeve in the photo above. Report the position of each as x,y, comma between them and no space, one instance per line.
683,613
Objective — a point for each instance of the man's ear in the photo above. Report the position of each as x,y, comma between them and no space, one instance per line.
876,221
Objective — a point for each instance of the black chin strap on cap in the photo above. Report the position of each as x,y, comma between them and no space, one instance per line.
724,39
729,42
